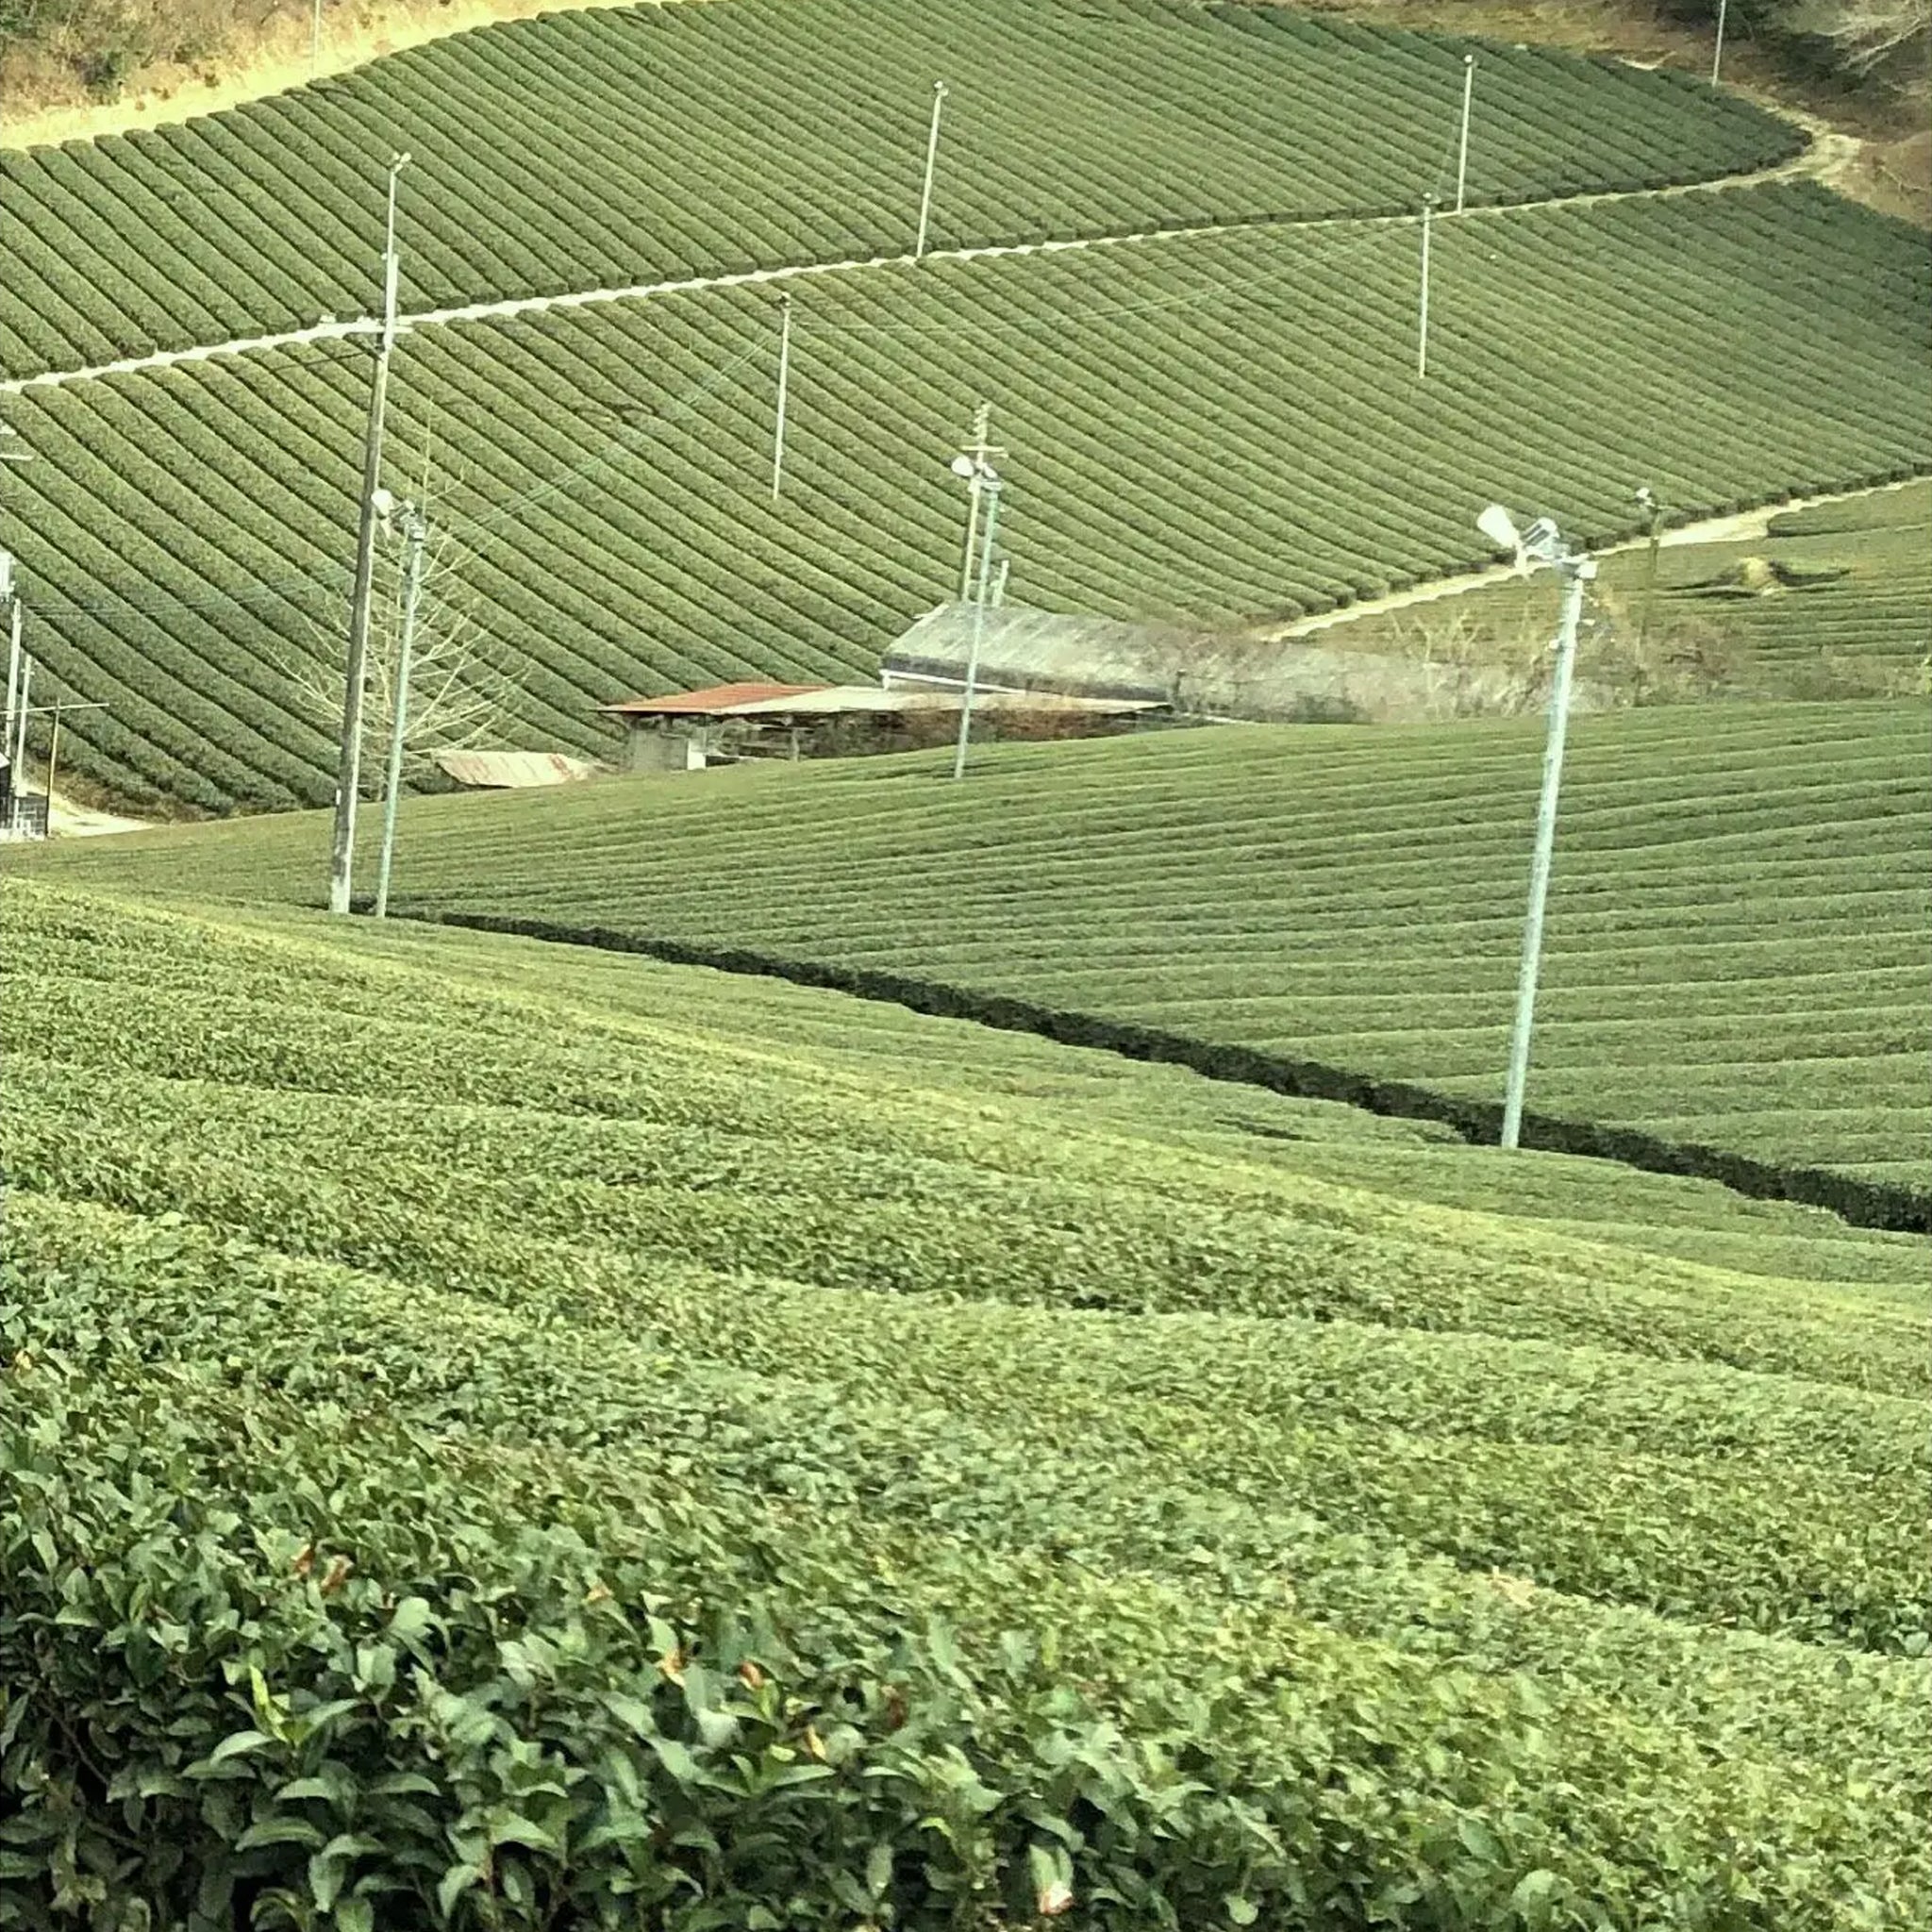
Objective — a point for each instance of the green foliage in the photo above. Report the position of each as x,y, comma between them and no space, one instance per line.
611,148
1737,935
489,1457
1233,431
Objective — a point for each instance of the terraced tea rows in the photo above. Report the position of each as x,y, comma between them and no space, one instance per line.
557,1435
1233,430
1738,931
610,148
1406,1159
1834,600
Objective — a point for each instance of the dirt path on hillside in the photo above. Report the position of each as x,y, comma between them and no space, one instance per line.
1827,149
1743,526
68,820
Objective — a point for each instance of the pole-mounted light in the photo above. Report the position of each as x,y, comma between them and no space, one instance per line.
1540,544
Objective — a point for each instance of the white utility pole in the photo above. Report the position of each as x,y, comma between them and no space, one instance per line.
932,155
1462,151
1422,339
982,452
414,533
1717,52
349,761
26,679
784,391
14,629
989,483
1576,571
12,451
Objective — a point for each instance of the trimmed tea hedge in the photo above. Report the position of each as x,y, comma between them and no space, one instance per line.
612,148
478,1459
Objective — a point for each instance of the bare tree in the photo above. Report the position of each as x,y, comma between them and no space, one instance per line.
459,698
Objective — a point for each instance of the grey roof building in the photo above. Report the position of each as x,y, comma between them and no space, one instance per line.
1204,674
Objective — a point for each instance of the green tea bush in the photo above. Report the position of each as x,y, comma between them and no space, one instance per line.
408,1517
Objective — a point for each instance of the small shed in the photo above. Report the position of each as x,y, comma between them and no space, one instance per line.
675,733
1200,672
730,722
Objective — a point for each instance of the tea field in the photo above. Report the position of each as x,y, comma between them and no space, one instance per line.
494,1438
1737,953
614,148
1232,432
1830,601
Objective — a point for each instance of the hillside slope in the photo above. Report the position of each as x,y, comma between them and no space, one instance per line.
520,1392
1833,600
1737,947
601,149
1225,426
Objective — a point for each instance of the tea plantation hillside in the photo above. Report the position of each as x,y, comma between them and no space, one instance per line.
1226,427
1738,945
1407,1160
1831,600
477,1457
613,148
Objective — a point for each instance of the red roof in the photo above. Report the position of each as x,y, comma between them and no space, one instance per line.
716,698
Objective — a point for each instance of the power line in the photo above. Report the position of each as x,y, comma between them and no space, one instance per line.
624,442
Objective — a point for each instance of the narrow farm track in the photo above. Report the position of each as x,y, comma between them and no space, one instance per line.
1819,162
1734,526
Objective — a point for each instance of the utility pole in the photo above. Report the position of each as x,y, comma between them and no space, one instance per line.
932,155
27,678
784,390
59,708
12,451
1576,571
1717,52
15,627
1422,340
53,754
1462,151
349,765
414,533
987,479
1647,499
982,452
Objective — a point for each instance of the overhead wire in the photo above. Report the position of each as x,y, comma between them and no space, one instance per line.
624,442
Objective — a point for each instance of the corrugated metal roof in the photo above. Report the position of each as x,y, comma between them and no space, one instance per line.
1046,650
512,771
699,704
1227,673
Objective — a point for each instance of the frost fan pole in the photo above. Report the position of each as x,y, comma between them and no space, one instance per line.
989,484
349,756
784,391
1577,570
983,451
932,156
414,533
1717,52
1462,149
1422,339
